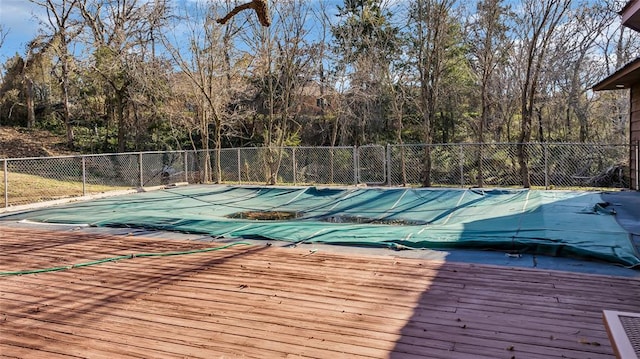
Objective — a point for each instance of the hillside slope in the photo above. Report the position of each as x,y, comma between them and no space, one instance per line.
19,142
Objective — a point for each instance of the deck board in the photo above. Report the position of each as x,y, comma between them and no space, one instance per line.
262,301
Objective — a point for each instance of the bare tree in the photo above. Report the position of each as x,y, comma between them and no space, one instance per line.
537,24
432,26
489,47
337,76
281,69
62,31
118,32
4,31
323,69
367,43
33,66
208,65
399,98
573,66
617,45
3,35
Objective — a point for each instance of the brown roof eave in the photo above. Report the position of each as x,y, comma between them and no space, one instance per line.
631,15
626,6
621,79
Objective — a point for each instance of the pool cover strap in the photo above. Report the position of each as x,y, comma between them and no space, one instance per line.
117,258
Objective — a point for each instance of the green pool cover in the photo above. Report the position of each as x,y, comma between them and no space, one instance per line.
561,223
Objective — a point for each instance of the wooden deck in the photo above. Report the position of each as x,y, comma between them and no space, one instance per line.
266,302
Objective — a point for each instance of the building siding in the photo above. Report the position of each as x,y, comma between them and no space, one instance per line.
634,134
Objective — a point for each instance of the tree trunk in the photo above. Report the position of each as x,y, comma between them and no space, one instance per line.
28,91
429,104
121,124
67,114
204,134
218,139
425,176
522,153
483,121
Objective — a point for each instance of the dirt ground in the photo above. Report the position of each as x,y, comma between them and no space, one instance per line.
17,142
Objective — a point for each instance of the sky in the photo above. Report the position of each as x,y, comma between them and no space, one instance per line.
18,17
20,20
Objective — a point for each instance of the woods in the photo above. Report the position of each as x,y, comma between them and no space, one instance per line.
134,75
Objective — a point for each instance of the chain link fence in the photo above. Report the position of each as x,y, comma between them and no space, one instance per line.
550,165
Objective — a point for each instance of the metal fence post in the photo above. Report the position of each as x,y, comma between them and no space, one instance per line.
293,164
186,166
84,176
461,166
388,163
239,167
546,165
355,165
140,169
6,182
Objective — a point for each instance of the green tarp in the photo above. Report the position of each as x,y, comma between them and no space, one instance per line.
544,222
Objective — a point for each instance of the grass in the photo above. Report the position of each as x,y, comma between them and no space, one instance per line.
25,188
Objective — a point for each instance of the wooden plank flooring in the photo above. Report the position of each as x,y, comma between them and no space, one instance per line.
267,302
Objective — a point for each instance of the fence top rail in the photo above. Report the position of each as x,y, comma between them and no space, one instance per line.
292,147
324,148
93,155
135,153
513,144
40,158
